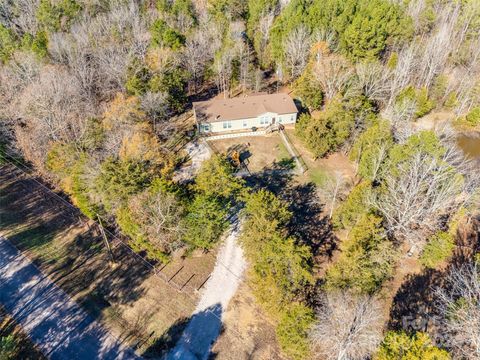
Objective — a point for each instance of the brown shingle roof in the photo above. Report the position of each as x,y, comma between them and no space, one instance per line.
243,108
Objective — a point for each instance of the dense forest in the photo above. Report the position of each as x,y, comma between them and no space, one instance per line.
92,94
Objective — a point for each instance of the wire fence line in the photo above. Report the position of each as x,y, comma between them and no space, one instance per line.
83,220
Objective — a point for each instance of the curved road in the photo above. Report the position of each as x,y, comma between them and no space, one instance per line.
60,328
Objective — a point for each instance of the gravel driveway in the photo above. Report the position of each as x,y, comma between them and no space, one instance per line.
206,321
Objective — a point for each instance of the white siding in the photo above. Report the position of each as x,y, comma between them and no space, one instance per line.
246,124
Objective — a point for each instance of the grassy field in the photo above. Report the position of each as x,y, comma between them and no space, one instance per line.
134,303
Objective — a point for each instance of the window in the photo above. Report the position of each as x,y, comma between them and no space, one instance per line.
280,119
245,123
227,124
263,120
291,118
205,127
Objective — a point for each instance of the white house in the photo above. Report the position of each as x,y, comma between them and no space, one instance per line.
244,114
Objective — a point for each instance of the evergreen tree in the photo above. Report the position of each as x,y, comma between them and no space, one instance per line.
400,346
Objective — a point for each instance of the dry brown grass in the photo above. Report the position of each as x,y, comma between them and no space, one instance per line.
247,334
260,151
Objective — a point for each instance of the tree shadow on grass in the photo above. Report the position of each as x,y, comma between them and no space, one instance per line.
273,178
88,263
74,257
167,340
189,338
413,306
308,224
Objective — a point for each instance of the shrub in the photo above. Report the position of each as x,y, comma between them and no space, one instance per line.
57,15
281,269
451,101
473,117
367,258
217,179
205,222
8,43
174,83
400,346
138,77
328,131
292,330
439,248
139,241
163,35
424,103
367,149
346,215
309,91
118,180
8,347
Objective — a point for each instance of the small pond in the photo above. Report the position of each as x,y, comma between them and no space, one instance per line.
470,144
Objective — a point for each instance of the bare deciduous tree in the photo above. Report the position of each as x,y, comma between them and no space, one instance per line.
373,80
347,327
423,189
264,24
160,216
333,72
296,47
20,72
459,303
19,15
439,46
95,55
56,104
223,71
199,50
333,188
403,72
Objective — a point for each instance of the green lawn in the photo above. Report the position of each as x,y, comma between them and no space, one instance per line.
318,176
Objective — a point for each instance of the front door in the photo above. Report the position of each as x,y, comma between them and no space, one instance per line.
273,120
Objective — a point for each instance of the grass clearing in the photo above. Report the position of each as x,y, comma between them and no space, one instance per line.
318,176
319,170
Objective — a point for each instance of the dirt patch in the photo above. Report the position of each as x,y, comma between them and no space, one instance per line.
433,120
246,332
24,348
129,299
258,152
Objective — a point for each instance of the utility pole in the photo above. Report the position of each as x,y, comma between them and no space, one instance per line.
105,239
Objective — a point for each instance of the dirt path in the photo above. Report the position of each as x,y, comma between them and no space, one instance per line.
198,152
206,322
60,328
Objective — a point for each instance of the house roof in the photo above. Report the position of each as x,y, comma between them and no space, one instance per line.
252,106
